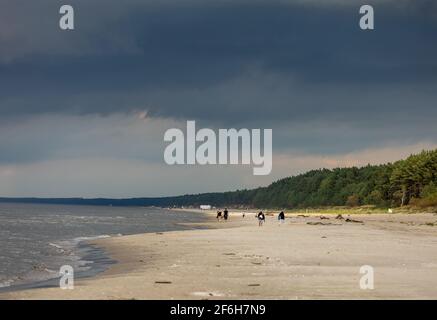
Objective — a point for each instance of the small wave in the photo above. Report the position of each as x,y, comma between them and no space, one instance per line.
6,283
57,246
72,243
51,271
80,239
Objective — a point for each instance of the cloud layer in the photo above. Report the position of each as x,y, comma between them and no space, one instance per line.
303,68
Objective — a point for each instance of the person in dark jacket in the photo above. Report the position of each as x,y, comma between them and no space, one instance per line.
281,217
261,218
225,214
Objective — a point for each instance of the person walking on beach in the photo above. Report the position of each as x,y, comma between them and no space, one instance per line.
281,217
225,214
219,215
261,218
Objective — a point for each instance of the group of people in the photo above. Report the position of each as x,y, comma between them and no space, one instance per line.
260,216
225,215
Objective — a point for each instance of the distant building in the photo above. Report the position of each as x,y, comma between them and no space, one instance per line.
205,207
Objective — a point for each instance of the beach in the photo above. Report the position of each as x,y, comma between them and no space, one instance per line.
310,256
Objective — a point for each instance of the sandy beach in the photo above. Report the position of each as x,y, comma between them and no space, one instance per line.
307,257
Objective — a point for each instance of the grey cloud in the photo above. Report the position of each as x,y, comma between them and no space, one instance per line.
118,136
140,49
302,68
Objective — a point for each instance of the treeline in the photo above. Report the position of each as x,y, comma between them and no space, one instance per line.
410,181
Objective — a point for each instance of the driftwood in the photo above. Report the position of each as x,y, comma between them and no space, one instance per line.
319,223
355,221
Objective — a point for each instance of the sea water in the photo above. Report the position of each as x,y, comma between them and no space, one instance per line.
36,240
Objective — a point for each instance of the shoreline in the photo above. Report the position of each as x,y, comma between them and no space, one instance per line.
96,259
306,258
91,259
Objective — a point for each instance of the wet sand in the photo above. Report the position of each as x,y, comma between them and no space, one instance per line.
305,258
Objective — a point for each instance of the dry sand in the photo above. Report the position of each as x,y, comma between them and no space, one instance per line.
239,260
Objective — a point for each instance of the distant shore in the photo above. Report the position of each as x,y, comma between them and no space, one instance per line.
311,256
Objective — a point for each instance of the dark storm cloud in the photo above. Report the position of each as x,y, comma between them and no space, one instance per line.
71,102
216,60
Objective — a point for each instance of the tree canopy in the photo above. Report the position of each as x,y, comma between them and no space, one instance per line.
409,181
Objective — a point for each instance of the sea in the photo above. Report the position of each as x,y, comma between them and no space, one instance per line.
36,240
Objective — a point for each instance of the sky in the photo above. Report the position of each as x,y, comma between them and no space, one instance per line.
83,112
